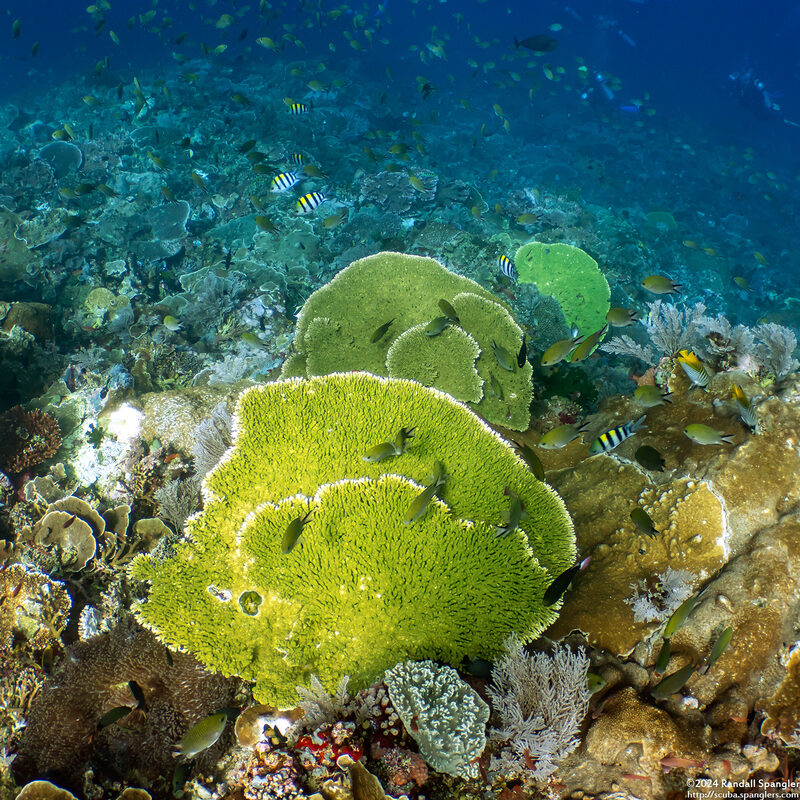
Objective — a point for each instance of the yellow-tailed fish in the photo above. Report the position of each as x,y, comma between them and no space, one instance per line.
695,370
587,346
172,323
620,317
705,434
615,436
651,396
746,411
560,350
293,531
561,436
661,284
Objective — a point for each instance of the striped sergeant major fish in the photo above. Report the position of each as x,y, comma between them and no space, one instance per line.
284,181
298,108
616,436
308,202
694,368
506,266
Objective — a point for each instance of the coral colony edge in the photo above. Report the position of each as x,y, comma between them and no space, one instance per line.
360,444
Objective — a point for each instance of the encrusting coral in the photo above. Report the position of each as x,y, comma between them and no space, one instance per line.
362,589
336,325
26,438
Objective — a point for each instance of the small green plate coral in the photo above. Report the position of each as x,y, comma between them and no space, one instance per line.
336,326
572,277
361,590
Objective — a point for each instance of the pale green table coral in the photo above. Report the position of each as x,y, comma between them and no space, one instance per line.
337,323
572,277
361,590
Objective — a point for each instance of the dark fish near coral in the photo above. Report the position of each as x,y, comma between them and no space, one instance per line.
264,223
138,695
662,660
504,358
477,667
562,582
649,458
621,317
616,436
419,505
641,519
248,145
680,615
115,715
516,513
672,683
531,459
293,531
661,284
495,387
522,353
449,311
380,332
560,350
718,649
436,326
539,44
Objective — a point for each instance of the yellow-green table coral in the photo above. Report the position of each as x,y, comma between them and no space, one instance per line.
361,590
337,323
572,277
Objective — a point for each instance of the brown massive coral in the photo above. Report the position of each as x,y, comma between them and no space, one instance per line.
26,438
92,681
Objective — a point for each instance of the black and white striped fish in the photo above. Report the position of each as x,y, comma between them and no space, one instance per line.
610,439
284,181
298,108
297,159
506,266
308,202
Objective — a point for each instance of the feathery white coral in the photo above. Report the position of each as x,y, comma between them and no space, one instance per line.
541,700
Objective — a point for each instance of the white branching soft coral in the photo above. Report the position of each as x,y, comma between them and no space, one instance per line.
541,700
321,708
657,597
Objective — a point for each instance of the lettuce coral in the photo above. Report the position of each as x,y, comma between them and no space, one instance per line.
572,277
361,591
335,328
